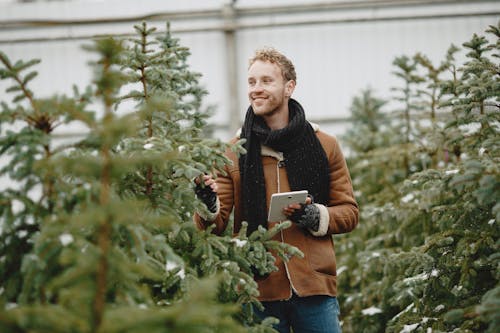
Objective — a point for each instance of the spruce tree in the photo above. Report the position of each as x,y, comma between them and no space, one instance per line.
97,235
428,259
431,126
370,133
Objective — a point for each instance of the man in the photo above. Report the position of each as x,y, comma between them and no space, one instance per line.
285,153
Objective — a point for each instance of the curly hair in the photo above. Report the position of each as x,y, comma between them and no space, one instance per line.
275,57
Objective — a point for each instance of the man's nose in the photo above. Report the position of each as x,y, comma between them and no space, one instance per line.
257,87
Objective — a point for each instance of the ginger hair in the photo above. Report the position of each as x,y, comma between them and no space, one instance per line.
273,56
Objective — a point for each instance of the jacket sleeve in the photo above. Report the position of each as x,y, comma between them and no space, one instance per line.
342,213
225,203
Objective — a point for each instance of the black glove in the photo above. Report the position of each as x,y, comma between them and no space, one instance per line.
307,216
207,196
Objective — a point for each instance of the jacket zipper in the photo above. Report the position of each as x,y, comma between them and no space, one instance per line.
292,288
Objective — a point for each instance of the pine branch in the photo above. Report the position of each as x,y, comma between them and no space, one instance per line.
39,120
13,73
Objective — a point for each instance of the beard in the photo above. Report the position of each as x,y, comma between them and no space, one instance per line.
267,105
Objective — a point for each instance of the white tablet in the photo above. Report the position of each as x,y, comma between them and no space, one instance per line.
281,200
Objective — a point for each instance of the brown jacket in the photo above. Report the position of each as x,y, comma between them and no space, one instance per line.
315,274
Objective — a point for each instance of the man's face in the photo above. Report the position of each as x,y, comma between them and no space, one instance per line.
268,92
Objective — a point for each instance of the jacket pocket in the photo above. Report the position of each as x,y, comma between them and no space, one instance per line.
321,255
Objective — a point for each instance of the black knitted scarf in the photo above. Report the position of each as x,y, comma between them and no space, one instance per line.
304,158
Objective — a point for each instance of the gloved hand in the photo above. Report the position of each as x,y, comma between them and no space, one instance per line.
207,196
307,216
207,192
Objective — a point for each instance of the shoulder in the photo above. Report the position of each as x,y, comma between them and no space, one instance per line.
323,137
231,154
326,138
329,142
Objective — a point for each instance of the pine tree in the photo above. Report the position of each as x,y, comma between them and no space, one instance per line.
428,260
406,69
109,244
370,133
28,151
431,129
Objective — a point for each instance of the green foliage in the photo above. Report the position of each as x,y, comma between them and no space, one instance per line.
97,235
425,255
27,151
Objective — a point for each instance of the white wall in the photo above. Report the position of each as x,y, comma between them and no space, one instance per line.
338,53
334,62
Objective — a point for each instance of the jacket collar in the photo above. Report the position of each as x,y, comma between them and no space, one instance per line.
268,151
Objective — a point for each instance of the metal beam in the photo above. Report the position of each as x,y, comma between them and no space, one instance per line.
230,28
239,12
251,17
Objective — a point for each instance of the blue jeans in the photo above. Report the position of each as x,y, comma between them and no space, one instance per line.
313,314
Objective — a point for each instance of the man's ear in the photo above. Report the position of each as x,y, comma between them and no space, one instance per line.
289,88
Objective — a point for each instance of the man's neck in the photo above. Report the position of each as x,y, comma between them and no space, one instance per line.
279,119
